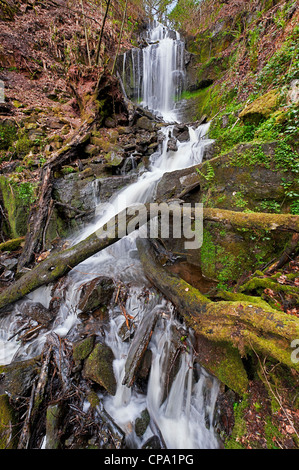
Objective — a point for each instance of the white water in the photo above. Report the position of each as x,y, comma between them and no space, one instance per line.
158,71
185,418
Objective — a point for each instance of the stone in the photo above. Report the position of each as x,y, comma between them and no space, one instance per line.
99,367
293,93
53,422
181,133
145,123
95,294
261,108
172,144
18,377
82,349
142,423
37,312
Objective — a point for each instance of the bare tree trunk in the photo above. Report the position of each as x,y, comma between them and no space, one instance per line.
85,32
120,36
101,34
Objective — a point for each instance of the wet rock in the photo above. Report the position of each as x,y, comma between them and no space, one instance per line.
172,144
152,443
75,192
139,346
108,186
142,423
36,311
10,263
224,414
17,378
145,366
53,421
145,123
181,133
82,349
7,275
99,367
95,294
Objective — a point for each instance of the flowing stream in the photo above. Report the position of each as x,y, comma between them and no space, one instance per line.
182,417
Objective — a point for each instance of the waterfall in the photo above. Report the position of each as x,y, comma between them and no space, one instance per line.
182,417
156,73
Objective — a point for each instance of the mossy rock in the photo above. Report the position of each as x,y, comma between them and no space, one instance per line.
261,108
227,253
16,200
142,423
82,349
18,377
12,245
8,424
99,367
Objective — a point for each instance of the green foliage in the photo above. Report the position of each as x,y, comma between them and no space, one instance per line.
182,12
24,191
283,66
240,425
233,134
210,174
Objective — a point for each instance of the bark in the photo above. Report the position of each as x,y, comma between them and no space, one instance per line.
244,325
259,220
61,263
97,59
120,36
139,346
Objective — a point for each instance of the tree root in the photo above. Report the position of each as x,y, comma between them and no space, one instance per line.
241,324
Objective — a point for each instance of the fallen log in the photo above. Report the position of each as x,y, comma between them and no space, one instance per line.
250,220
138,346
61,263
247,326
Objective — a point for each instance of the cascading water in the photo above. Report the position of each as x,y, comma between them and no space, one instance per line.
182,417
157,71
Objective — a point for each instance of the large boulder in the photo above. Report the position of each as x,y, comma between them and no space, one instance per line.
261,108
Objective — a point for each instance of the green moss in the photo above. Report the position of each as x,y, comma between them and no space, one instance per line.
8,135
17,198
82,349
8,424
11,245
240,427
271,432
93,399
99,367
229,369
